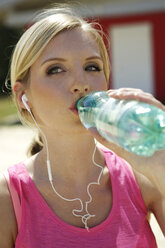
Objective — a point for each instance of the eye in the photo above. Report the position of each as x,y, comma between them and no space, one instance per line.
93,67
54,70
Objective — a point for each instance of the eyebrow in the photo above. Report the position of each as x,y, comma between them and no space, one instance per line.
64,60
94,57
53,59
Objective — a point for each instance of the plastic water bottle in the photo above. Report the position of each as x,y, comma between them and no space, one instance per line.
138,127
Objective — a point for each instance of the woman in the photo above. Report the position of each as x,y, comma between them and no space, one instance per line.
64,197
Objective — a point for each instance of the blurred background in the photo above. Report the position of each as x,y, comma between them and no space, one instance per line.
135,29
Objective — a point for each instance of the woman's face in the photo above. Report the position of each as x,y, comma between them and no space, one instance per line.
68,68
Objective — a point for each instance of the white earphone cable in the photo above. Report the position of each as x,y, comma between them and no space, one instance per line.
87,216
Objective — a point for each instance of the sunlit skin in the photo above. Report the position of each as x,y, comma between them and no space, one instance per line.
70,67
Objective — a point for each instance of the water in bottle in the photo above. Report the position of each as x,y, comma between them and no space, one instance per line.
138,127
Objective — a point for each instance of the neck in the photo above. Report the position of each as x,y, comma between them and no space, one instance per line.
71,156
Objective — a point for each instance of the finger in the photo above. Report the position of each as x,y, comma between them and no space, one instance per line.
148,98
125,93
137,95
125,90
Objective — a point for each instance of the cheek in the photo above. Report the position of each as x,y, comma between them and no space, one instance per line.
100,83
45,88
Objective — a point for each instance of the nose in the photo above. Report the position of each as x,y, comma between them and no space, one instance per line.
78,88
79,81
80,85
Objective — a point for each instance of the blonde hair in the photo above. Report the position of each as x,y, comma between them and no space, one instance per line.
48,24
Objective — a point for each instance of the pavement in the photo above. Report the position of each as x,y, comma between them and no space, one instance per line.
14,142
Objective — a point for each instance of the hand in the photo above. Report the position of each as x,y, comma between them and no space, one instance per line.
152,167
135,94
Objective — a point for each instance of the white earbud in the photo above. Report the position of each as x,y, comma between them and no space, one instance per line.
24,100
75,212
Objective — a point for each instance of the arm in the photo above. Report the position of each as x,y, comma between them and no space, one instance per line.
152,168
153,200
150,177
158,209
8,226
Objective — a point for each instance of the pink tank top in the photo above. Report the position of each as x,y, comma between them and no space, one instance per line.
125,227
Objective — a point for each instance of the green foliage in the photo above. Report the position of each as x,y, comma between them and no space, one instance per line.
7,108
8,39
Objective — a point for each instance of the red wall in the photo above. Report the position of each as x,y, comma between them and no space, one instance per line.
157,21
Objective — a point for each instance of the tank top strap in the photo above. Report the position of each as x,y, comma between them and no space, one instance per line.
15,199
123,178
13,177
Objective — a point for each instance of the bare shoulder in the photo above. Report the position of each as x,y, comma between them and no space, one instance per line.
148,190
153,199
8,226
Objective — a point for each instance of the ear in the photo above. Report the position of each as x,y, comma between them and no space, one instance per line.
19,90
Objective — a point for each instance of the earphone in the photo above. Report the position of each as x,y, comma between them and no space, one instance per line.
85,217
24,100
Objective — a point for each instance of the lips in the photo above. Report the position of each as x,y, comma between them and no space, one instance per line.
73,108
